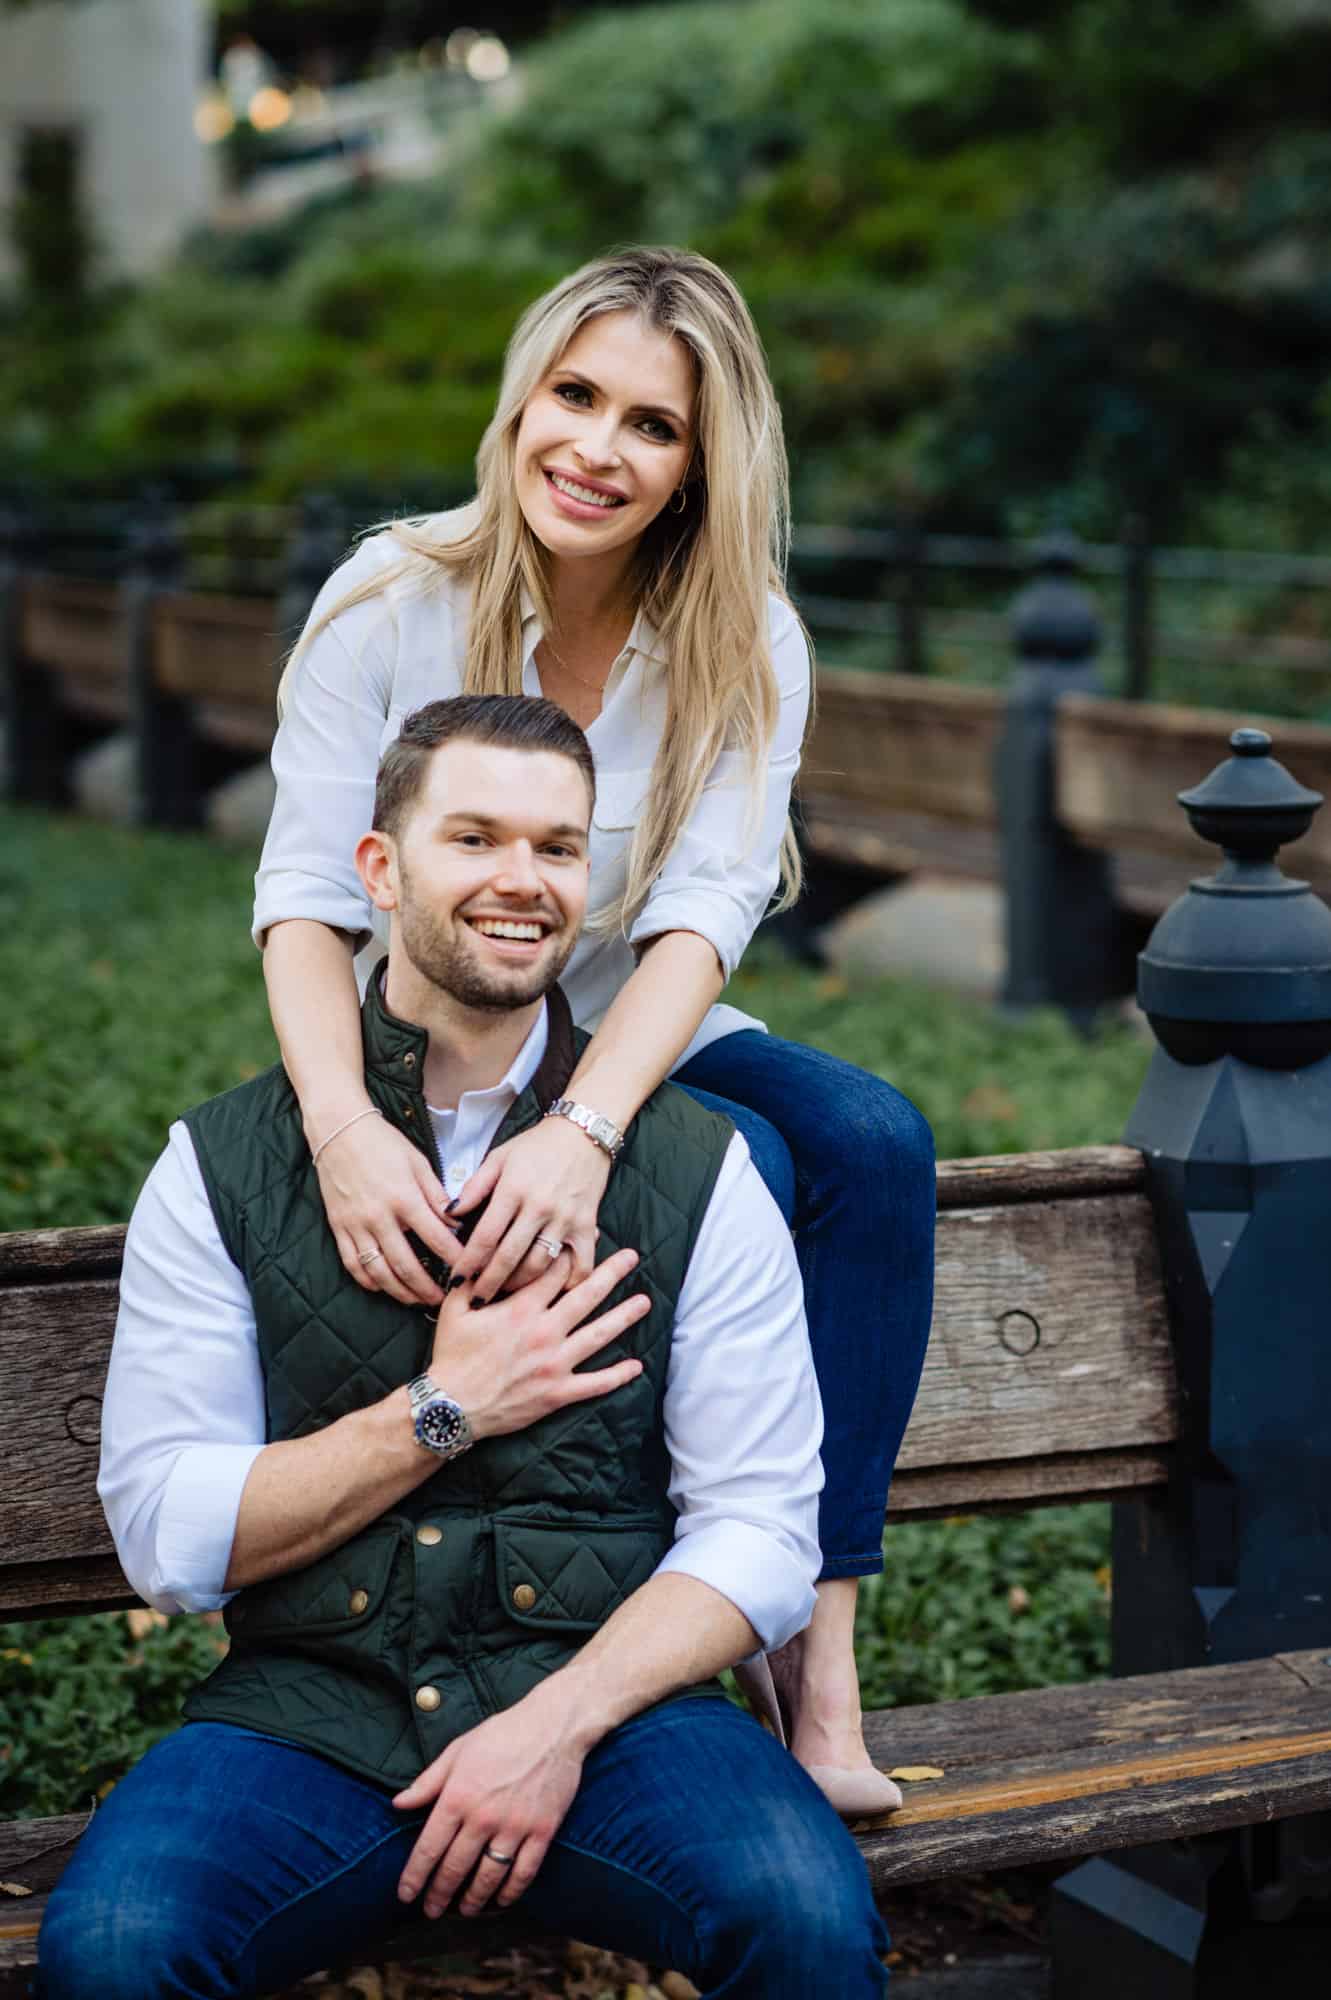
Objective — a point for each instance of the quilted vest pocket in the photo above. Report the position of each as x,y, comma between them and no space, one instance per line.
336,1593
569,1576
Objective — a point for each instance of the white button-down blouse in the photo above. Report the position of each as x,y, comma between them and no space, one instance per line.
376,662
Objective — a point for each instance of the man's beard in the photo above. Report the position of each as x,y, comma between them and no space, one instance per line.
448,960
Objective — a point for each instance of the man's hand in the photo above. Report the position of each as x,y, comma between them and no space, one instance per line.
511,1363
506,1785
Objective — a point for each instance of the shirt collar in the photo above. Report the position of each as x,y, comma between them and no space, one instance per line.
644,639
522,1069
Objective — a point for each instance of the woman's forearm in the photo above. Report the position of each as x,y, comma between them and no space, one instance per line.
312,998
648,1025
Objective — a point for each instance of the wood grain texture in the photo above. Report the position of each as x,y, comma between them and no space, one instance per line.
42,1256
1120,766
1077,1770
54,1344
928,1492
1049,1337
1074,1171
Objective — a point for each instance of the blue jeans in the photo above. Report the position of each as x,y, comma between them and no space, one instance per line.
851,1163
229,1864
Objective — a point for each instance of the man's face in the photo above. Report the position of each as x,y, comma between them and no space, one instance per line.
491,873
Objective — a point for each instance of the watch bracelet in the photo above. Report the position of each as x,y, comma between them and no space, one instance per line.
586,1120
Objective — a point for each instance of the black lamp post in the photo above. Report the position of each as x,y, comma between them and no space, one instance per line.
1233,1561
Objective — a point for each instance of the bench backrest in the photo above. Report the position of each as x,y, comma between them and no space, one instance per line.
1049,1374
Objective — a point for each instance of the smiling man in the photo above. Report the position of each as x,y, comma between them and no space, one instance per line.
472,1565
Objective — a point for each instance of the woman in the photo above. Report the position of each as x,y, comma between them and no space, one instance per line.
623,558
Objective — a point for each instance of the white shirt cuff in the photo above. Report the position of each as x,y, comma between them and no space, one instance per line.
286,893
688,909
196,1524
760,1577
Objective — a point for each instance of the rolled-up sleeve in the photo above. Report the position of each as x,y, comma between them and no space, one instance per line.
325,758
183,1417
743,1419
723,870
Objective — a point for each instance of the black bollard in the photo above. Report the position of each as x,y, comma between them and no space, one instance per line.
1233,1562
37,732
1063,930
170,782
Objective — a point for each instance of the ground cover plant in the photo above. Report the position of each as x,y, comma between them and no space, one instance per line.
136,991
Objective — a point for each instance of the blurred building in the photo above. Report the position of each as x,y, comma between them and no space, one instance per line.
114,84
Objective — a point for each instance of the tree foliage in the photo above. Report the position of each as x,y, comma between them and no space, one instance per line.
1005,259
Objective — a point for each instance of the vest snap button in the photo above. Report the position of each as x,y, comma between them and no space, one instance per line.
409,1061
358,1601
429,1536
524,1597
428,1698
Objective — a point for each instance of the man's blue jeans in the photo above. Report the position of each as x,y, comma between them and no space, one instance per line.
851,1164
229,1864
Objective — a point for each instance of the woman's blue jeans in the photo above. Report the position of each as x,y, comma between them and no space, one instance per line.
228,1864
851,1163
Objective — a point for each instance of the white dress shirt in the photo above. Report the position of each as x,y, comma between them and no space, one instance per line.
345,703
184,1414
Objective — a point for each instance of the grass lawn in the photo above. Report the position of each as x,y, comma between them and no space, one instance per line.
135,991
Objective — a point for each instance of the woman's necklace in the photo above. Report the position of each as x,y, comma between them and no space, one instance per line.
596,687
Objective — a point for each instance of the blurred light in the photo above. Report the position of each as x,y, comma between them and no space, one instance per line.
269,108
487,59
460,45
213,118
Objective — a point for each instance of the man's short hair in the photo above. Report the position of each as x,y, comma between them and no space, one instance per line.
513,721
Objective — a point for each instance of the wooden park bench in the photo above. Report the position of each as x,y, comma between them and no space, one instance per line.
1050,1377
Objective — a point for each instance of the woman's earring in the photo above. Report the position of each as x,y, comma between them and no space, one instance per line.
679,500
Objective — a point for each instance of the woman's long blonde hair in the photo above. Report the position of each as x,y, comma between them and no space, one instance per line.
704,573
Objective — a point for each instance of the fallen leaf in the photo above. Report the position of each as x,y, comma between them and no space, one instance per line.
1018,1598
990,1100
141,1621
915,1774
13,1889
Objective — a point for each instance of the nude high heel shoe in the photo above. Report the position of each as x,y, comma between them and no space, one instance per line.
865,1794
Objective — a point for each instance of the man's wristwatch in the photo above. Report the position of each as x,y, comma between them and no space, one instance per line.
441,1425
602,1131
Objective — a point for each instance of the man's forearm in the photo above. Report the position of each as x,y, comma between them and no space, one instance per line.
305,1496
673,1631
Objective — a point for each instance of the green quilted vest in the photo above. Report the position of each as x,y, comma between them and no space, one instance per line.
494,1571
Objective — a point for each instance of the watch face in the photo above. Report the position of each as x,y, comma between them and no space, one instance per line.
441,1425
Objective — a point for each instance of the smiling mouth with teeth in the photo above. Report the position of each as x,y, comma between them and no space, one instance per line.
587,494
508,927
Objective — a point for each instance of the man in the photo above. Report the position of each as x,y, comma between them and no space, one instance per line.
468,1561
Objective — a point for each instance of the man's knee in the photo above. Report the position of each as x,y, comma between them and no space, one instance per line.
800,1918
118,1949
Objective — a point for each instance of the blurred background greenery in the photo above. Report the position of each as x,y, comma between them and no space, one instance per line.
1010,261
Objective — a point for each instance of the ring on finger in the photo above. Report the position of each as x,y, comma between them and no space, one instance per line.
551,1246
504,1860
368,1256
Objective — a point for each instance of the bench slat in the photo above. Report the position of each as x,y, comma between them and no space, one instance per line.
1050,1335
1049,1374
1080,1770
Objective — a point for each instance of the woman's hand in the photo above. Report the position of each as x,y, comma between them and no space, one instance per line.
376,1185
547,1182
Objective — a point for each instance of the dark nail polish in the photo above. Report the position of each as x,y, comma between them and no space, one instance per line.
448,1210
453,1283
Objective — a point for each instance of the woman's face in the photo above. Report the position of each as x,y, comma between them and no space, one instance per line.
606,438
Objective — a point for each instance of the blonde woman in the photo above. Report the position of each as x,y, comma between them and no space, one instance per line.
623,557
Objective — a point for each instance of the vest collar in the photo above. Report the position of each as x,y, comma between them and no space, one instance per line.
395,1049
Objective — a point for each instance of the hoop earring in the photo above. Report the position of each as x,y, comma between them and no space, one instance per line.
679,500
